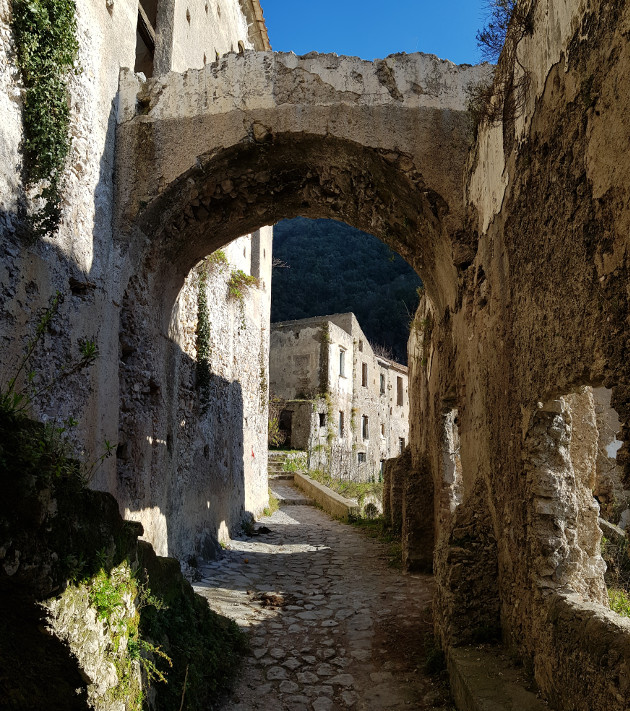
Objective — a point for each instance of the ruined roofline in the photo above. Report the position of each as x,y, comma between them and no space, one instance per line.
315,320
334,320
394,365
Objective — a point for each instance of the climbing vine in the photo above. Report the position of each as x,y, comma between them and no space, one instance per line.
262,364
46,46
324,358
202,333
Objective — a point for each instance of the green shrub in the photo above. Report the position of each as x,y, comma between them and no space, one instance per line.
619,601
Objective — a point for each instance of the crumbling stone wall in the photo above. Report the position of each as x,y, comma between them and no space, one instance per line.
541,311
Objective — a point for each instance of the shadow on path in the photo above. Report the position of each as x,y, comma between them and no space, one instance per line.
331,625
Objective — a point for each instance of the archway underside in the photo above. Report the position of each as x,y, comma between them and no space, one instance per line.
238,190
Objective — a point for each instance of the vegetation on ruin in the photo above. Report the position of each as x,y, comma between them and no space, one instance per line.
491,37
502,98
202,339
26,386
275,436
378,286
350,489
44,33
263,364
118,598
616,555
377,528
239,283
274,505
216,260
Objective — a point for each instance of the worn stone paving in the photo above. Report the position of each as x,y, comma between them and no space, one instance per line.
331,625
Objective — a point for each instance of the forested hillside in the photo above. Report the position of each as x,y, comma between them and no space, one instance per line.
334,268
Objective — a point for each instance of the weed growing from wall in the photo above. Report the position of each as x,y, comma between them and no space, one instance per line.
276,437
239,284
118,597
46,45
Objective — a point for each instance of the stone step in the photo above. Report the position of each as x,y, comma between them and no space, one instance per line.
282,476
288,495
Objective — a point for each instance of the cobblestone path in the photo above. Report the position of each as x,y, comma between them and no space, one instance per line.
331,625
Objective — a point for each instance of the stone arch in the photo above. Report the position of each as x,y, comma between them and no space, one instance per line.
240,189
397,127
213,154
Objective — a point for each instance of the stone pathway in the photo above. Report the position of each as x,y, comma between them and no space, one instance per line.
331,625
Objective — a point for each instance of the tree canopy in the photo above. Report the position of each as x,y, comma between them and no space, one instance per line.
334,268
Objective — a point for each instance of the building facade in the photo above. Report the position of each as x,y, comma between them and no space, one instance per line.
335,398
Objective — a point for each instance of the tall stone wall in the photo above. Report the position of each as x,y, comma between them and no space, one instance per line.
96,276
540,312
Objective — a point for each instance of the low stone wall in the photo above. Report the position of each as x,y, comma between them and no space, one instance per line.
590,667
483,679
333,503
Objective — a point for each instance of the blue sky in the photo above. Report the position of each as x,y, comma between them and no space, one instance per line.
371,29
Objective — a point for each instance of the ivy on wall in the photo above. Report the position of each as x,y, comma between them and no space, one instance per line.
203,338
44,32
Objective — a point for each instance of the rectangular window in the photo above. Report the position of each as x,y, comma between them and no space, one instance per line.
341,424
365,430
382,384
342,362
145,37
401,445
364,375
322,419
361,457
383,431
360,345
399,391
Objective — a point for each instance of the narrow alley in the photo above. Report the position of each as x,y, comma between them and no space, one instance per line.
331,624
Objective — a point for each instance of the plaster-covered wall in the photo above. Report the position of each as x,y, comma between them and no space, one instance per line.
93,271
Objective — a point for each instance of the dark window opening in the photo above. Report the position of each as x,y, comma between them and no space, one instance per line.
145,37
342,362
361,457
365,430
382,384
341,424
285,425
401,445
364,375
322,419
360,345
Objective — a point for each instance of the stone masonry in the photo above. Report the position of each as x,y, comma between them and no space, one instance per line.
518,227
345,406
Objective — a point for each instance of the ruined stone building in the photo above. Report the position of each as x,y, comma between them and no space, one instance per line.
516,216
344,405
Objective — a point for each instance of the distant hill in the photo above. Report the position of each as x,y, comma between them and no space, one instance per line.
334,268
